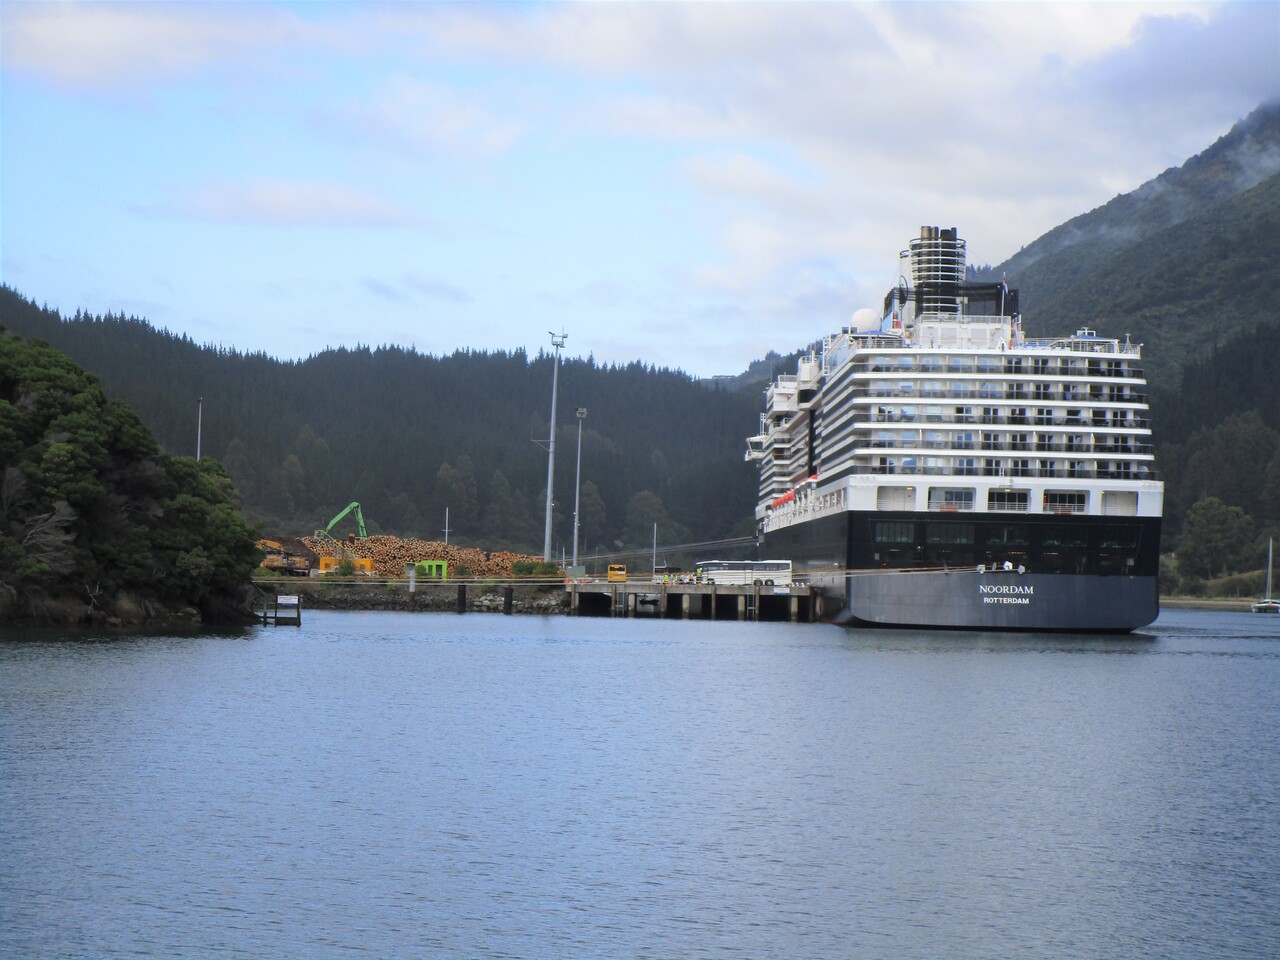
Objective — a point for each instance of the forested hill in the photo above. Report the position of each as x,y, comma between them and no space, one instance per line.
1186,260
95,522
1219,431
409,435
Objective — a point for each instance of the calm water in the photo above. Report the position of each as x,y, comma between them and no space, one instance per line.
431,785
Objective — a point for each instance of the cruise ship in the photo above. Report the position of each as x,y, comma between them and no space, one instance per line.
941,469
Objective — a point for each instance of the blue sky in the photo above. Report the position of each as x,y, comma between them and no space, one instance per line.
686,184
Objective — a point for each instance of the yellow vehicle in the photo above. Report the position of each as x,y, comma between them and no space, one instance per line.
280,558
617,573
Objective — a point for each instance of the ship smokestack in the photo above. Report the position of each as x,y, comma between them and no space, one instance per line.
937,270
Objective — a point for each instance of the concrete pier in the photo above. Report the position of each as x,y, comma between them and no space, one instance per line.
693,601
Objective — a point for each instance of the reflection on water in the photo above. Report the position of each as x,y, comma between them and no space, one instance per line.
484,786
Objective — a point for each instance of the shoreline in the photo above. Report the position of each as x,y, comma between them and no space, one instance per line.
1206,603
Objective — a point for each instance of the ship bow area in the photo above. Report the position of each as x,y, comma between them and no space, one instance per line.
1002,600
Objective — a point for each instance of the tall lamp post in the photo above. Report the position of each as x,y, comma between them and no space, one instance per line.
577,484
557,341
199,424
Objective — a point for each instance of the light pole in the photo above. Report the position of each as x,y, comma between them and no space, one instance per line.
577,484
199,424
557,341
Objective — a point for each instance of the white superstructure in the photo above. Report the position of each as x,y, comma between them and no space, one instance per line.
949,407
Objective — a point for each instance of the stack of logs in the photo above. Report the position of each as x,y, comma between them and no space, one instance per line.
390,554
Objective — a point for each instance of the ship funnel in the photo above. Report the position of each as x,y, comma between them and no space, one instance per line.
937,269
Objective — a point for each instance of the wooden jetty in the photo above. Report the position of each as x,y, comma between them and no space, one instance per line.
282,610
796,602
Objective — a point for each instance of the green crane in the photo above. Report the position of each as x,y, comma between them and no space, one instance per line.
353,505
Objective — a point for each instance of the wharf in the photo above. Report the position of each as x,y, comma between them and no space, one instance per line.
797,602
282,610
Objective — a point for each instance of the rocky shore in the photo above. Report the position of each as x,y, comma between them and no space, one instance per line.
431,597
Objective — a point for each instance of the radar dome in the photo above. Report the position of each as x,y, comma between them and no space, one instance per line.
865,319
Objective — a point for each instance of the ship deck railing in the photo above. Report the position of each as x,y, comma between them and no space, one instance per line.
889,390
912,366
992,446
1130,423
1030,473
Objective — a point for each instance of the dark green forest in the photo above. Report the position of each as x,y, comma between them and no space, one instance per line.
409,435
94,518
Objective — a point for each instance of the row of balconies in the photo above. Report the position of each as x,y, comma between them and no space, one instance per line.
1039,446
1009,365
995,391
1096,419
910,466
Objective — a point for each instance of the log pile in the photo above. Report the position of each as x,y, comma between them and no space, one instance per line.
390,554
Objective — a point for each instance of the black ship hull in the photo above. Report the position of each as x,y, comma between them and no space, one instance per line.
978,572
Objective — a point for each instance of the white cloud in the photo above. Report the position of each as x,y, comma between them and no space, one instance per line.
798,145
110,45
284,203
424,118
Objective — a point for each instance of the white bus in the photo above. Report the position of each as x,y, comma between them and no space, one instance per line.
763,572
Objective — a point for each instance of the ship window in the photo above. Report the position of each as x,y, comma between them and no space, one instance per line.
1064,538
1044,416
953,533
989,389
891,532
906,387
966,467
964,414
933,413
1065,501
1007,499
1063,550
1007,535
951,498
908,413
1118,538
964,441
